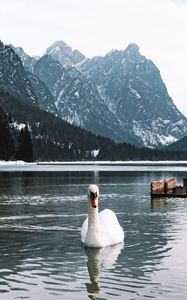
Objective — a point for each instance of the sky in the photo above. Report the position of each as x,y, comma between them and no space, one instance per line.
95,27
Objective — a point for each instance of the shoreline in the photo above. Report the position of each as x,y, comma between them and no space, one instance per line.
115,163
94,166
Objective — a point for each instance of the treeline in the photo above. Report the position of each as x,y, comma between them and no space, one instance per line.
49,138
14,146
7,148
177,146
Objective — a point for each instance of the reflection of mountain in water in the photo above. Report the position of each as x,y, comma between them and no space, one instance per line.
98,257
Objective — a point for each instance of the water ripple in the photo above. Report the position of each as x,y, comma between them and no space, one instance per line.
41,253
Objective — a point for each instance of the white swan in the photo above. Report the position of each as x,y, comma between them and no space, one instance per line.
100,229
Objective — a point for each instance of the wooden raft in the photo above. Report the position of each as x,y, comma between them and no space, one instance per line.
168,188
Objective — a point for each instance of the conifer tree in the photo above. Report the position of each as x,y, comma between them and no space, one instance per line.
24,147
6,141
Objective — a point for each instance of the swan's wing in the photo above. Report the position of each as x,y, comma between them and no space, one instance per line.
112,232
84,230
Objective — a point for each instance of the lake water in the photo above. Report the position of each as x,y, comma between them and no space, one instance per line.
41,257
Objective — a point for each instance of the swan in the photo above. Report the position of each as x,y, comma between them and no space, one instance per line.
100,229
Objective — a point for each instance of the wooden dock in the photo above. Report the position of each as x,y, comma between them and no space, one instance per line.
168,188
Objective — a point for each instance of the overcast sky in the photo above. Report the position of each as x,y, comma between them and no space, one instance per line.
95,27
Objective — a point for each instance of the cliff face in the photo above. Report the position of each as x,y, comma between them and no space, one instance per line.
77,99
131,87
20,83
13,77
64,54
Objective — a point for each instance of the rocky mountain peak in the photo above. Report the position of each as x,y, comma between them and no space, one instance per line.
27,61
13,77
132,52
132,48
59,47
19,82
64,54
132,88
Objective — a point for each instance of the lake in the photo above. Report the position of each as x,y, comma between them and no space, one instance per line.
42,209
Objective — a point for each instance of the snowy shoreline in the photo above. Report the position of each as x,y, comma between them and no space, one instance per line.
130,162
94,166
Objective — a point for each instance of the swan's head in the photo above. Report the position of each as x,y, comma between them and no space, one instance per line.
93,194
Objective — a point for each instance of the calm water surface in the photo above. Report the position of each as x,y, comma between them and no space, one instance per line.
41,214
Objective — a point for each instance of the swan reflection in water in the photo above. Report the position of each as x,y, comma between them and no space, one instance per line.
100,257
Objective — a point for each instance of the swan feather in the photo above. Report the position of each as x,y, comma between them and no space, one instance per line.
111,231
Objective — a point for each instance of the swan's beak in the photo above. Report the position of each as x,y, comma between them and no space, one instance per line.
94,202
93,197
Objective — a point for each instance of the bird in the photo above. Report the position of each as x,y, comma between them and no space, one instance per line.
100,229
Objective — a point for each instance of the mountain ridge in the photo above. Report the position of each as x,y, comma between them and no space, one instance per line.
126,84
75,98
64,54
132,87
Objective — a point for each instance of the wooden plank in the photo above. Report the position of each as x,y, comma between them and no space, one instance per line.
169,195
168,188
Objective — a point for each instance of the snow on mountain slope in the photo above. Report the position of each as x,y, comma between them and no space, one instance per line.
121,95
20,83
64,54
27,61
77,99
131,86
13,77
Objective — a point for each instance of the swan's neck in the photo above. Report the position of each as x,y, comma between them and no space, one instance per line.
93,218
93,237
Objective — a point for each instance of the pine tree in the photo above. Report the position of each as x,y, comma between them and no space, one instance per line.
6,141
24,147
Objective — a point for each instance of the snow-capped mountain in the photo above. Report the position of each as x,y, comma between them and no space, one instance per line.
132,88
121,95
46,100
27,61
15,80
13,77
77,99
64,54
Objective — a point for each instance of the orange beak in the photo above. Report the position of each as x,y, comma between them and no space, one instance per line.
94,202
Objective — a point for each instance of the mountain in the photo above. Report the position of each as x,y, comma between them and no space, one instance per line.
132,88
120,96
13,77
27,61
77,99
25,123
180,145
46,100
53,139
64,54
18,82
